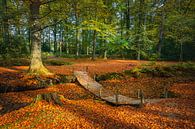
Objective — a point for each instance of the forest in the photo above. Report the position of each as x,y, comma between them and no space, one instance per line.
97,64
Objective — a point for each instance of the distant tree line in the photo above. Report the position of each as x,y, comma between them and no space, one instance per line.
131,29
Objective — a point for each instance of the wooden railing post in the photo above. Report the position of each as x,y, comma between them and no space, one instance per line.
116,99
94,77
116,95
141,98
165,92
138,93
100,92
86,68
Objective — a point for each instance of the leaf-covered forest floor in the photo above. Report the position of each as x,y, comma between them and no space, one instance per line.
83,110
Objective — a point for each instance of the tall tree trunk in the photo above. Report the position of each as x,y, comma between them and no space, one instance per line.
139,52
94,45
87,43
105,49
49,40
18,27
121,25
67,47
127,15
161,35
62,39
87,52
105,54
60,48
66,39
181,51
77,43
55,37
36,65
140,24
5,24
77,35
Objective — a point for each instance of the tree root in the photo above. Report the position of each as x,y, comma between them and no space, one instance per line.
50,98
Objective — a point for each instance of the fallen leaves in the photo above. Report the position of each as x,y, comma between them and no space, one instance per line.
87,113
80,110
185,89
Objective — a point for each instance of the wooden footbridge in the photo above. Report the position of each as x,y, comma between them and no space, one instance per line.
99,91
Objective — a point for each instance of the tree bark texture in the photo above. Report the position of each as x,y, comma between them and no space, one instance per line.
36,65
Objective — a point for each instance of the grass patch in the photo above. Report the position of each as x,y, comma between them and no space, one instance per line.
15,62
26,62
152,69
57,62
170,94
110,76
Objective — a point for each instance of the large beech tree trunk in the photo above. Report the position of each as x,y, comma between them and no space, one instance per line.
36,65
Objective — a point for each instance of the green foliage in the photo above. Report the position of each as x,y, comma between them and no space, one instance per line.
66,79
105,31
17,47
136,72
64,55
151,69
185,66
118,45
14,62
153,57
46,55
119,32
142,41
179,29
151,63
109,76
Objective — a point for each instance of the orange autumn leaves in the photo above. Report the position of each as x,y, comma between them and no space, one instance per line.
79,112
83,110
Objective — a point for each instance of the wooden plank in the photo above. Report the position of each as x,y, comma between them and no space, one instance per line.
97,89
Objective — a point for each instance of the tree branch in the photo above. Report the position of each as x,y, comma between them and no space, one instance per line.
48,26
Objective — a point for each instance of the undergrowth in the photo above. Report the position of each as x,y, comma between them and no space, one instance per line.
26,62
57,62
110,76
152,69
